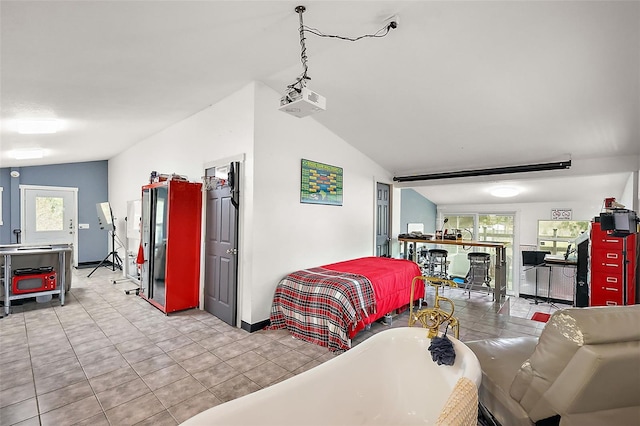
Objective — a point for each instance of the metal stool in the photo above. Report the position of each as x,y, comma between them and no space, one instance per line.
437,263
478,271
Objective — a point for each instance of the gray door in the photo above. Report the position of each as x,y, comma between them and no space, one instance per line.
383,218
221,277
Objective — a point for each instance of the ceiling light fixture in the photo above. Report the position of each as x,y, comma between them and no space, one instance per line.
28,154
300,101
504,191
37,126
558,165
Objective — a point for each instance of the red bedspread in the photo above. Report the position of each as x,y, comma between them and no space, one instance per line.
328,305
391,279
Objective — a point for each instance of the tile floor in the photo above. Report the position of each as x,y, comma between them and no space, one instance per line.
107,358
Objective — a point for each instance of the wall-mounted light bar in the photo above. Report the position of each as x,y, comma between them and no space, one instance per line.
558,165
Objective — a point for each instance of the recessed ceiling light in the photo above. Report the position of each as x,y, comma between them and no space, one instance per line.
504,191
37,126
28,154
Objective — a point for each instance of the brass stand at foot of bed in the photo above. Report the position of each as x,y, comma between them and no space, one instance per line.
433,318
437,281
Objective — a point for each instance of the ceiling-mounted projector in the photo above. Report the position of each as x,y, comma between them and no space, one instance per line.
302,103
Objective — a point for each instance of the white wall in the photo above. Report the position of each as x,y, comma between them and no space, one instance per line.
220,131
631,193
287,234
278,234
627,197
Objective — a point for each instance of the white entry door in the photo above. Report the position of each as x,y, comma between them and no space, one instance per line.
49,215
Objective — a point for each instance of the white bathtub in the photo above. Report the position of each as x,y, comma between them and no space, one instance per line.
388,379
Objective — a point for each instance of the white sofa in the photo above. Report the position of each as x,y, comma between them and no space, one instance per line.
583,370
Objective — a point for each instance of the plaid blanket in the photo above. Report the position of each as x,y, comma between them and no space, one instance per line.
320,306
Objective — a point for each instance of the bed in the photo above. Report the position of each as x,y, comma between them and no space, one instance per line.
328,305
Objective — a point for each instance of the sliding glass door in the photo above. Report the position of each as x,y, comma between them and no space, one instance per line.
484,227
499,228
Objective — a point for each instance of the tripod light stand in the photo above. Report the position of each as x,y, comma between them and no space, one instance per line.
105,219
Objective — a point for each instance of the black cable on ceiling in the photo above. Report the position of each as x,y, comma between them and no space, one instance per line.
301,81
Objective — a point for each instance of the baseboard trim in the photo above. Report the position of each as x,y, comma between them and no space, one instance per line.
254,327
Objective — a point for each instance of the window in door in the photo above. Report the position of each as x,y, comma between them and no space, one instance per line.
49,214
465,224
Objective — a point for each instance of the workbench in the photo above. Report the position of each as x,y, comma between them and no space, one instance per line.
500,284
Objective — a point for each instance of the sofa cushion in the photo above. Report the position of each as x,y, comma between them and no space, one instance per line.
500,360
618,319
598,378
565,333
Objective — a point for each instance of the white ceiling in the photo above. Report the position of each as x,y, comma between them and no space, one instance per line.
458,86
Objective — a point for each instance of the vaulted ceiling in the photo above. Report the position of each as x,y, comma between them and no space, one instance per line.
457,86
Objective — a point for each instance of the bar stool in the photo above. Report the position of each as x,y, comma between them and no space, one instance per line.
437,266
478,271
423,256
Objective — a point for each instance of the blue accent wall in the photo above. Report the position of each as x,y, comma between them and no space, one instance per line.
415,208
92,180
5,228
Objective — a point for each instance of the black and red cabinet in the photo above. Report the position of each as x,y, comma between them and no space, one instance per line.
612,268
171,230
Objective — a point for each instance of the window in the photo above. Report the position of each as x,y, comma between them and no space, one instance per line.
0,205
49,214
485,227
556,235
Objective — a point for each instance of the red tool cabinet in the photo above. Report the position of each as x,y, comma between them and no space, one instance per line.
613,268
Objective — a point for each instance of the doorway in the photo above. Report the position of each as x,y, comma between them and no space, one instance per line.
49,215
221,242
499,227
383,220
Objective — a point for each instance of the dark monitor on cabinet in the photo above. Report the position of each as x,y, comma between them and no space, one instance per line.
621,222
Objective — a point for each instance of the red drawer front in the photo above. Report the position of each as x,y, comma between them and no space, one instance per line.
607,279
604,295
600,239
606,260
606,289
609,243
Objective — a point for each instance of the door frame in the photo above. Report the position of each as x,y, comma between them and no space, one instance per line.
389,219
23,218
240,158
394,216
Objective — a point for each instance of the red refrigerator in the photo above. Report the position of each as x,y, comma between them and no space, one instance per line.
171,230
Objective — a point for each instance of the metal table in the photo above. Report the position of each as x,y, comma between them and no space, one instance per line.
9,252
